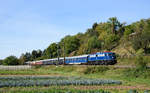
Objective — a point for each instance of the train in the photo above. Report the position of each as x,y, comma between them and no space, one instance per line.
99,58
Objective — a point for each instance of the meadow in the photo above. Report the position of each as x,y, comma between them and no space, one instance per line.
75,79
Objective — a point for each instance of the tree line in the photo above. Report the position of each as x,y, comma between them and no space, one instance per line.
103,36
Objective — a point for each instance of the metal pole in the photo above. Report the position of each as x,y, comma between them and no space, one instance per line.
57,53
64,52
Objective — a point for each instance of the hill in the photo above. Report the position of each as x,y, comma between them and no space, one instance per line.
121,38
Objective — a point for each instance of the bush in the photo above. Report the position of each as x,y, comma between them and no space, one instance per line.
37,66
140,70
11,60
137,73
141,62
96,69
147,91
132,91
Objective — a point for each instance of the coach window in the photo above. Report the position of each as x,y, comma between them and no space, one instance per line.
74,59
77,59
80,59
83,59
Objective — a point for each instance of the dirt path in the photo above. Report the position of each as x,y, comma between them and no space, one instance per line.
121,87
108,87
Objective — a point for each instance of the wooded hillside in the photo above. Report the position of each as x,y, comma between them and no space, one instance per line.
112,35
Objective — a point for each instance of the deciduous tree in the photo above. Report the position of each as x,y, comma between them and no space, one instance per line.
11,60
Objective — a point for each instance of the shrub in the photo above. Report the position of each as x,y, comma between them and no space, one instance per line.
147,91
11,60
96,69
132,91
64,68
141,62
140,70
37,66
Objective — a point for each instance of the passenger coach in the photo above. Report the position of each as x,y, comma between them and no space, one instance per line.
99,58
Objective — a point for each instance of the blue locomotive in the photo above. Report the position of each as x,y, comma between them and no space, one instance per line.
99,58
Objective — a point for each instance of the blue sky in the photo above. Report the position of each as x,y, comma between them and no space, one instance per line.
34,24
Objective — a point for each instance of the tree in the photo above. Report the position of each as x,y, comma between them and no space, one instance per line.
121,28
28,57
34,54
22,59
51,51
91,32
94,26
142,41
114,24
93,43
110,41
128,30
1,61
72,43
142,38
11,60
44,54
39,53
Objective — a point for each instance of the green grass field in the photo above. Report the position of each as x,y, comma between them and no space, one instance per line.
80,71
140,83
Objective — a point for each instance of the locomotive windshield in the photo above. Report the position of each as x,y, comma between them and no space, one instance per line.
111,54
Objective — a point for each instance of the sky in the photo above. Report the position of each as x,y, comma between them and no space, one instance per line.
35,24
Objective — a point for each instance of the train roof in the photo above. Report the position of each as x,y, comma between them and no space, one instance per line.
104,52
77,56
52,59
